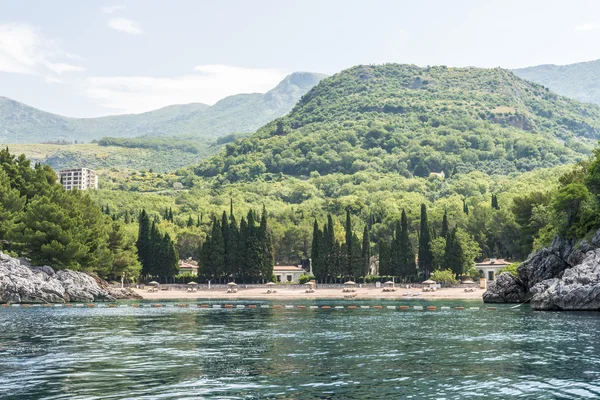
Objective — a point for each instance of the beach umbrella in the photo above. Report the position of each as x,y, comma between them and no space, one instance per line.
389,283
429,282
232,284
192,283
468,281
350,283
270,283
153,283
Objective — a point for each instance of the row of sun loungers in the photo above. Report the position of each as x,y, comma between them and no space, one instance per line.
348,290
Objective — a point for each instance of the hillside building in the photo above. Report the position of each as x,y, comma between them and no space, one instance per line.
78,178
489,267
288,273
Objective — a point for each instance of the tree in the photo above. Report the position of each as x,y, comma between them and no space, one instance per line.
425,254
408,266
453,254
349,253
315,253
266,244
445,227
366,251
445,276
190,222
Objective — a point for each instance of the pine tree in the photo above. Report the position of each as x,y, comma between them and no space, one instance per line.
425,254
190,222
444,233
366,251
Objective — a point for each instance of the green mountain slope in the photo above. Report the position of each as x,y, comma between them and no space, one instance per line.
413,121
580,81
20,123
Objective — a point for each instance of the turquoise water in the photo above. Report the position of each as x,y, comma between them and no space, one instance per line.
191,353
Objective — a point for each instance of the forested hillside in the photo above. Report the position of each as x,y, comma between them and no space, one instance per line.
20,123
580,81
413,121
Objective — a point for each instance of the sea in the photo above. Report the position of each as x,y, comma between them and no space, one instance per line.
298,350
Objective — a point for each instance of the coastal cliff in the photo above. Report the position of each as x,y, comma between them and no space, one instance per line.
25,284
562,276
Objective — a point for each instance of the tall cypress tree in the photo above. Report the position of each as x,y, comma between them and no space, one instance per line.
314,251
234,257
407,264
453,254
266,245
425,254
170,259
330,259
190,222
349,250
253,248
154,251
445,225
384,258
242,246
217,250
366,251
170,214
143,241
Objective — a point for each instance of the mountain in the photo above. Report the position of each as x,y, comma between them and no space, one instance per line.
413,121
580,81
20,123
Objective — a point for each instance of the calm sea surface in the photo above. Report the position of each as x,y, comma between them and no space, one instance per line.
191,353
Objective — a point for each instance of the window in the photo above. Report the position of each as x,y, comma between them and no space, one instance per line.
289,278
278,278
490,275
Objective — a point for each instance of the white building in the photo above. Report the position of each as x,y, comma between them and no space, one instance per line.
490,267
288,273
78,178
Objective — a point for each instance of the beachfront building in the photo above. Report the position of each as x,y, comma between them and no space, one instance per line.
288,273
78,178
490,267
188,267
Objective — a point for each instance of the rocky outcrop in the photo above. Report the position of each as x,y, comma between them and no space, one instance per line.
506,289
23,284
578,289
563,276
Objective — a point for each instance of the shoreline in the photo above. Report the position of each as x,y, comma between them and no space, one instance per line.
319,294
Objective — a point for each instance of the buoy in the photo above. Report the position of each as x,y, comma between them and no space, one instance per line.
325,307
47,305
135,305
25,305
378,307
431,308
404,308
68,305
252,306
181,305
5,305
276,306
227,306
491,308
90,305
352,307
301,307
112,305
417,307
157,305
459,308
203,305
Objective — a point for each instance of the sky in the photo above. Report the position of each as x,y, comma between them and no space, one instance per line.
94,58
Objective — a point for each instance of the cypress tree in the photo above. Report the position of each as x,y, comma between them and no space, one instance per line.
227,259
143,241
198,222
190,222
384,258
154,251
425,254
242,250
170,214
266,247
453,254
408,266
253,248
170,259
445,225
366,251
315,248
166,214
235,258
330,259
396,266
349,250
217,250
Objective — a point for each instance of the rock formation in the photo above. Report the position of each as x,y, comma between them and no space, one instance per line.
24,284
563,276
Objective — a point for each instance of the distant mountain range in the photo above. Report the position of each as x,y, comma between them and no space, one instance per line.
579,81
20,123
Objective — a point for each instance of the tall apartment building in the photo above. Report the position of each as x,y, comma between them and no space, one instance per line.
80,178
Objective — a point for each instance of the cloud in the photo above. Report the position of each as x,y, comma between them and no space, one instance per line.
23,50
210,83
125,25
112,9
588,26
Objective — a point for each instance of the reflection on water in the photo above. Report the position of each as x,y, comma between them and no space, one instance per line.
179,353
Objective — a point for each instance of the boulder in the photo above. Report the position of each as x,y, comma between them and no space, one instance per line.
507,288
22,284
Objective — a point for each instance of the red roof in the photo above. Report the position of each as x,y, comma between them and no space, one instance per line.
287,268
493,262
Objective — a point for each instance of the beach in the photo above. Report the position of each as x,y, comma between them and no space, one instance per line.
286,293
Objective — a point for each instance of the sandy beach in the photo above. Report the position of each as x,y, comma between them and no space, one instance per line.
283,293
